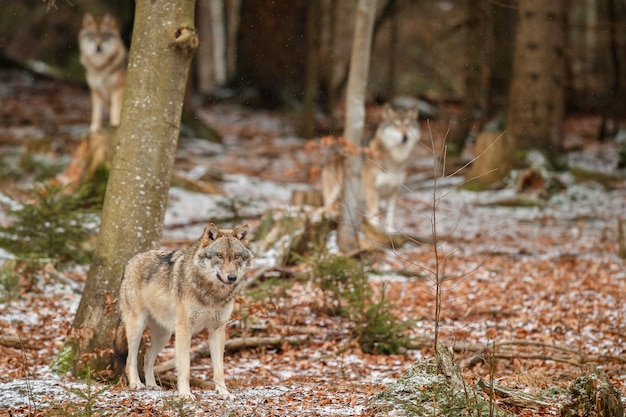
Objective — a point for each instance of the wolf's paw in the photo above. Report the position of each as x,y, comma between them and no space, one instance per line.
153,387
137,386
224,394
186,396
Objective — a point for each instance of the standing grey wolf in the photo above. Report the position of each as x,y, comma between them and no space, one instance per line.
385,164
183,292
103,54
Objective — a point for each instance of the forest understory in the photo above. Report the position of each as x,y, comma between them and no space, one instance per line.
533,292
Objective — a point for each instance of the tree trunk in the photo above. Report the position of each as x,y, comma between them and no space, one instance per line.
474,88
219,41
232,29
351,209
164,37
393,48
536,98
204,54
610,113
307,117
328,59
535,113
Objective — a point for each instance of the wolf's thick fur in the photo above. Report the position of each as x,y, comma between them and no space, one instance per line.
183,292
385,164
103,54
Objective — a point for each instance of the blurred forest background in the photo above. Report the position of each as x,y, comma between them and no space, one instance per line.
295,53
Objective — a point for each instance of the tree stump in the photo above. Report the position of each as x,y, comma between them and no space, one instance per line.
292,233
432,386
493,159
593,395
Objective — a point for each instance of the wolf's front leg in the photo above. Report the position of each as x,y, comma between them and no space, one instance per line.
116,107
97,107
182,346
391,210
217,339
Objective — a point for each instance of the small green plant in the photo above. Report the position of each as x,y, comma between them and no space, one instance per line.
349,293
178,407
51,224
86,405
39,167
9,282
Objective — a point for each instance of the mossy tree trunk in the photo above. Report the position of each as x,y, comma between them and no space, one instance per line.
164,40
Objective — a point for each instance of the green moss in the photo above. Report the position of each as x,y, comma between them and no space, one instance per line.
64,360
9,281
424,391
475,185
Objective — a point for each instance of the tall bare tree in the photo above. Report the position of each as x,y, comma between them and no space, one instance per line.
204,55
307,116
164,40
476,86
211,54
347,233
219,41
233,13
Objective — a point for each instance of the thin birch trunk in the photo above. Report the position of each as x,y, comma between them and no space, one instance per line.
351,209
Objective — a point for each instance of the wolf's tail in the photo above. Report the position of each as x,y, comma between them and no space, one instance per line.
120,347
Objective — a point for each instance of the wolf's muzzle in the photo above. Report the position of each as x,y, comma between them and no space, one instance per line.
230,278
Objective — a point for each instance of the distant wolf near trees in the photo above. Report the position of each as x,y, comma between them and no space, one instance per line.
182,292
385,163
103,54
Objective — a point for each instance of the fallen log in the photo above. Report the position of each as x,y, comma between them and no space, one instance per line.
512,397
232,345
17,342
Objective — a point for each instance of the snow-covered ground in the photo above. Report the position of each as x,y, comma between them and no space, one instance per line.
547,272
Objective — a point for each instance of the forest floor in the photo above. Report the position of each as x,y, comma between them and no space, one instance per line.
539,276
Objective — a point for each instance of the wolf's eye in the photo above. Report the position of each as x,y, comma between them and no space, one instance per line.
237,256
219,256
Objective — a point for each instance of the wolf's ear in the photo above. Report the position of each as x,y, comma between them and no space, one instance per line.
412,112
243,233
388,111
211,233
88,20
109,20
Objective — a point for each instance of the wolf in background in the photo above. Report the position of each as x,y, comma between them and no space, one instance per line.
385,165
103,54
182,292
